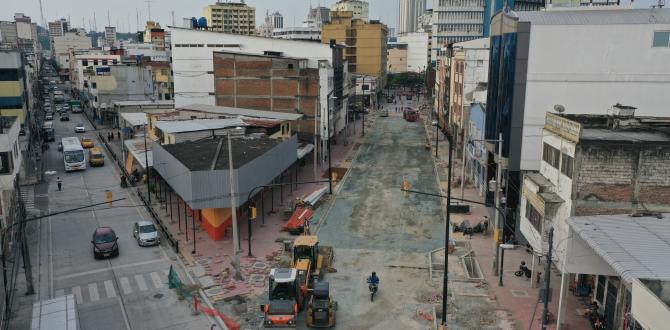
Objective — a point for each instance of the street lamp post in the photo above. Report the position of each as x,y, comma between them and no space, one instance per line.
330,171
146,164
502,248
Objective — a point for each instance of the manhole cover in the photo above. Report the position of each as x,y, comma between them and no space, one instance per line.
519,293
260,265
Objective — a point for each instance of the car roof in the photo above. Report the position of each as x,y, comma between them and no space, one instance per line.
144,223
104,230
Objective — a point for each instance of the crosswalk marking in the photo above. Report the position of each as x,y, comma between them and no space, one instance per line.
76,291
156,279
125,285
93,291
60,293
109,289
140,282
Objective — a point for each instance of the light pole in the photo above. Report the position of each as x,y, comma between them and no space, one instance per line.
330,172
146,163
503,247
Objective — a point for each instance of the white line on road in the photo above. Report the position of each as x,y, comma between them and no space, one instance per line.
140,282
76,291
125,285
60,293
93,291
158,283
109,289
108,269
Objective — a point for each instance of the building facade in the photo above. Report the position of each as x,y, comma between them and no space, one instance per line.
70,40
418,50
231,17
397,58
58,27
110,36
10,164
13,93
410,10
366,43
530,75
359,8
320,15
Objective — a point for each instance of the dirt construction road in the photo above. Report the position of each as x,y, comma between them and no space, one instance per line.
374,227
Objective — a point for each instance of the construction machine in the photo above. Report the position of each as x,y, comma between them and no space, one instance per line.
286,297
310,259
321,307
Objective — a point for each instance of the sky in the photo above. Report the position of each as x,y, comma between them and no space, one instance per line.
123,13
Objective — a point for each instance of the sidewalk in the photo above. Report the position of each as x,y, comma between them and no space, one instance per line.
516,295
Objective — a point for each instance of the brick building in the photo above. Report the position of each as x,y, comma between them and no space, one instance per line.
595,165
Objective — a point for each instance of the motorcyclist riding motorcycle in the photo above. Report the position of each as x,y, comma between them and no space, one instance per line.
373,285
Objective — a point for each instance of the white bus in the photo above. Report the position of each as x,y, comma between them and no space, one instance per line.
73,154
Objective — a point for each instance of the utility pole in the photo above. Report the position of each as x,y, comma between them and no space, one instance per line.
497,232
547,270
233,209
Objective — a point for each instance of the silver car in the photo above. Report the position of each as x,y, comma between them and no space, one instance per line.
145,233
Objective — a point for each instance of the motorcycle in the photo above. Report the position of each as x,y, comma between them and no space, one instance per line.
373,287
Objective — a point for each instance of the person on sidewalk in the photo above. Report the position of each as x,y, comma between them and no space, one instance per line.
59,181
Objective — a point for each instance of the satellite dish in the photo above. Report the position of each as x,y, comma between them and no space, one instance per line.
559,108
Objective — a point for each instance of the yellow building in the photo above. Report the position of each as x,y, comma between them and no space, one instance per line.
230,17
12,75
359,8
366,52
163,84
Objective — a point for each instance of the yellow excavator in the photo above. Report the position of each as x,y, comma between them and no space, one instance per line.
311,261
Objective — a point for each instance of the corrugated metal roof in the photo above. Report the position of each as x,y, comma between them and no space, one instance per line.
179,126
635,247
135,118
597,16
242,112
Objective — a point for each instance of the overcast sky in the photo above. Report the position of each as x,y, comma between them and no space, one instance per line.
123,13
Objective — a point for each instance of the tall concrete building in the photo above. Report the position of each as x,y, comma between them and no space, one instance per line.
410,10
59,27
320,15
359,8
110,35
231,17
366,43
276,20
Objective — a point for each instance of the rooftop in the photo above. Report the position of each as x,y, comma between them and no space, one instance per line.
136,103
596,16
179,126
242,112
626,129
635,247
198,156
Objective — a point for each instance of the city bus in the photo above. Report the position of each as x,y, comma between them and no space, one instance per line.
73,154
48,131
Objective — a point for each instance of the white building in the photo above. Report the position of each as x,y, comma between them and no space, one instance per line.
360,8
89,62
410,10
192,60
61,44
59,27
10,164
131,48
456,21
110,35
418,50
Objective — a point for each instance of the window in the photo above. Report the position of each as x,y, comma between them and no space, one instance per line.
533,216
661,39
84,62
94,85
95,62
567,164
600,289
6,162
104,62
551,155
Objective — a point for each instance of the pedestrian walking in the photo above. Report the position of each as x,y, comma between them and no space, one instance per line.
118,135
59,181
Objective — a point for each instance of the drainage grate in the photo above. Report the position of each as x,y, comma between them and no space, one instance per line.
519,293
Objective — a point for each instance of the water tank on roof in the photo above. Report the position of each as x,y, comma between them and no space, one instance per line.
194,23
202,23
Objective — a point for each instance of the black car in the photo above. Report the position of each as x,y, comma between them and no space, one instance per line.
105,243
64,117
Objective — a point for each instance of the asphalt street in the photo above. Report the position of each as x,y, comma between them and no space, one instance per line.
126,292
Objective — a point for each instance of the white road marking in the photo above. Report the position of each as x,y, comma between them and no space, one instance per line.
109,289
108,269
60,293
140,282
125,285
76,291
158,283
93,292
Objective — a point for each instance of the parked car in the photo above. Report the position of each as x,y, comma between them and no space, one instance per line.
87,143
145,233
96,157
105,243
22,131
49,116
80,128
64,117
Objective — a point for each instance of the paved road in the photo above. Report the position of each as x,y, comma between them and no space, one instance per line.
126,292
374,227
